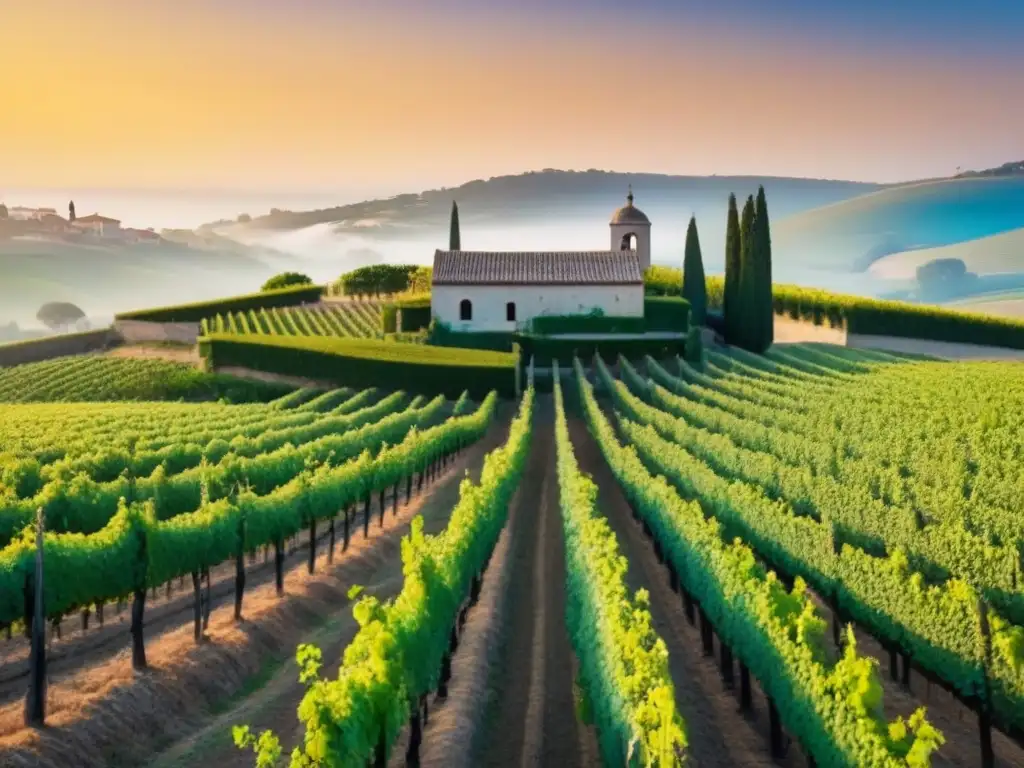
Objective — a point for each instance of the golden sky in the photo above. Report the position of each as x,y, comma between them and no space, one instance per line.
312,96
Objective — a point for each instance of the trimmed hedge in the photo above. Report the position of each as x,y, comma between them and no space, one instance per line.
556,324
870,317
544,349
194,313
363,363
666,313
498,341
413,314
389,318
875,317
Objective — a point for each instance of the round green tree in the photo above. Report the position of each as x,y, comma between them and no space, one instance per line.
286,280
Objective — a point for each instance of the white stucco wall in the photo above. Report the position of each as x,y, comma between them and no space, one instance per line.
531,300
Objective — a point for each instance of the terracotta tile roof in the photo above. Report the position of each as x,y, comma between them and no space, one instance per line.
536,268
95,217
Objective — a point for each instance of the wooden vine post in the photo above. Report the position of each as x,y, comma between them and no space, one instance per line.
279,566
311,565
197,607
240,569
746,701
775,727
139,606
207,598
412,753
35,704
988,756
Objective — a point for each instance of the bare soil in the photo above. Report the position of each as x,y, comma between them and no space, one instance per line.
274,378
718,733
531,717
101,713
451,735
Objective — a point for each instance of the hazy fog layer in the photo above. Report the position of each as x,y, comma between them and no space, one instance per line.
324,253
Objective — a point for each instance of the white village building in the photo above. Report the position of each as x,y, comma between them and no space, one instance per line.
503,290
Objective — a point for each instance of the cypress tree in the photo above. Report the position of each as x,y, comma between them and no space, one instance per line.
763,246
730,291
748,317
454,240
695,289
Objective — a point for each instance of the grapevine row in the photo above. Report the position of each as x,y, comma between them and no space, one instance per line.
80,504
402,650
623,662
828,484
135,550
945,628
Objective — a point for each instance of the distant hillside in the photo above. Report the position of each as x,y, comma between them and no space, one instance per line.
851,235
104,279
993,255
551,194
1006,169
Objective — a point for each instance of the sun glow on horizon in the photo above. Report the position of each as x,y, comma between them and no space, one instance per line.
186,96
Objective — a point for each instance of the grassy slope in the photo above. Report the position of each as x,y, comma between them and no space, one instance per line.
846,235
557,194
987,255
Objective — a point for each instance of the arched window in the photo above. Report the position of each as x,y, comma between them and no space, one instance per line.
628,242
510,311
465,310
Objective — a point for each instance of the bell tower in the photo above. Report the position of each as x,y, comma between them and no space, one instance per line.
631,230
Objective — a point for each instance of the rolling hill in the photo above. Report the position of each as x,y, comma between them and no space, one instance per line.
993,255
103,280
552,194
851,235
546,210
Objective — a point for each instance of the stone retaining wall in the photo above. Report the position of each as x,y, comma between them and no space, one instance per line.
142,331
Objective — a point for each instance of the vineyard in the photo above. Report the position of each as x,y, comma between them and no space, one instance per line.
810,557
94,378
350,319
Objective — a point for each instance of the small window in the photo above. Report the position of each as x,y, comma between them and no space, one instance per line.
465,310
510,311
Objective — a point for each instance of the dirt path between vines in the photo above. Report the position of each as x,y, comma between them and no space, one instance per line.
718,734
105,715
531,718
